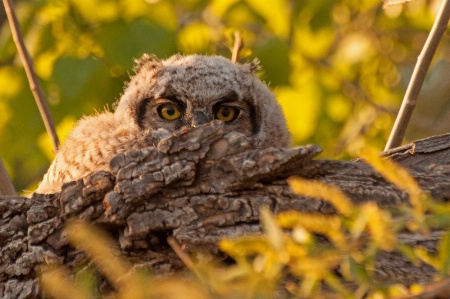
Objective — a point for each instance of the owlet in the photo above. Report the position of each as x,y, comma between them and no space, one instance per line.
179,92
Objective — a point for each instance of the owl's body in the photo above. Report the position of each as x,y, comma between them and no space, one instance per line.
180,92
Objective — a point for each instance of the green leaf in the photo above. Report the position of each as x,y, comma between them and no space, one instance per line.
274,57
122,41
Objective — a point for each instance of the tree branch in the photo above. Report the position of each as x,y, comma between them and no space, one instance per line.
31,74
418,76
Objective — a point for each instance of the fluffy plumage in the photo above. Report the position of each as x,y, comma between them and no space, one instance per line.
180,92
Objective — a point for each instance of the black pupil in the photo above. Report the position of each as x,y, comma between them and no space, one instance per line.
226,112
170,111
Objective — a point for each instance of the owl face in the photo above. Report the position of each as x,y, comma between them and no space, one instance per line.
188,91
173,111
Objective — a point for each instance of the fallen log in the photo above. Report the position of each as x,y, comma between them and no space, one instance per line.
200,186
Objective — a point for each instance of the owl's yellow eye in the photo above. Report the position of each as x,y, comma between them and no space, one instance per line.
169,111
227,113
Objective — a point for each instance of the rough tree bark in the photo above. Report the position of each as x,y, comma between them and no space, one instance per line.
200,186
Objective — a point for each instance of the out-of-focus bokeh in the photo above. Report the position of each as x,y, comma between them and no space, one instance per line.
339,68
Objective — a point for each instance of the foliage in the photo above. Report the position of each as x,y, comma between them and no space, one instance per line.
339,68
296,255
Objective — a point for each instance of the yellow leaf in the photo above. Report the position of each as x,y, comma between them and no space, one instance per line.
380,226
9,78
301,235
314,44
194,38
98,10
295,250
58,284
161,11
354,48
99,247
220,7
423,254
173,287
52,11
271,229
318,266
319,190
328,225
397,290
338,108
399,177
391,171
62,129
44,64
416,289
245,246
301,109
276,13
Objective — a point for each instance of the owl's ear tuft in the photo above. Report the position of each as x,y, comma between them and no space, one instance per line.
255,65
147,61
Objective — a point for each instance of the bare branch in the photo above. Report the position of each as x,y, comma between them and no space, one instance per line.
31,74
237,47
418,76
6,186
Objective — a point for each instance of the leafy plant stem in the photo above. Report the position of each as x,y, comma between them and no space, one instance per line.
418,76
31,74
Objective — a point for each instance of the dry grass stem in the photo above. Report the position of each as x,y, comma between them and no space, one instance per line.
183,256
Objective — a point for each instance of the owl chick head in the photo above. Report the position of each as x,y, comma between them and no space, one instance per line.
187,91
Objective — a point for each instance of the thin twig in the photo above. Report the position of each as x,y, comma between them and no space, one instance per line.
183,256
237,47
418,76
31,74
6,186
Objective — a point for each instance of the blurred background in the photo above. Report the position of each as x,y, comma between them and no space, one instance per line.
338,67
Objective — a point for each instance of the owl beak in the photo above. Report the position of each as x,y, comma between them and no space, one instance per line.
199,119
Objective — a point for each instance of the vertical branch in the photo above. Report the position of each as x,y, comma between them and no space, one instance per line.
237,47
6,187
31,74
418,76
